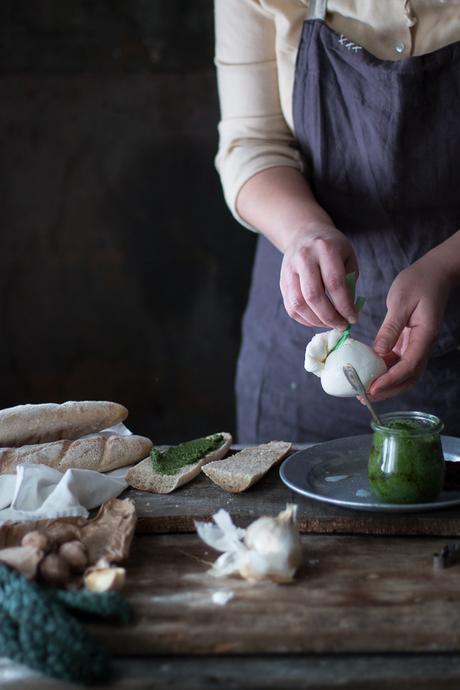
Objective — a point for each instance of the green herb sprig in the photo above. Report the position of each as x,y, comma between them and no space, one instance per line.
350,280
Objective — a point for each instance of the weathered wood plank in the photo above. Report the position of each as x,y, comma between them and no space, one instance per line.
353,595
403,672
201,498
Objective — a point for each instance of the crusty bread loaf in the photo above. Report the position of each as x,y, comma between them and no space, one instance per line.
51,422
144,478
240,471
101,453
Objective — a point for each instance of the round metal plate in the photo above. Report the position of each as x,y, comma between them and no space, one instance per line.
336,472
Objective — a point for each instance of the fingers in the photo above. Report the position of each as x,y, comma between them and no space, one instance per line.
294,301
405,373
351,264
390,331
333,273
387,387
313,281
315,297
391,358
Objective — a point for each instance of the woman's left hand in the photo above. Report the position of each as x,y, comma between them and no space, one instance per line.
416,303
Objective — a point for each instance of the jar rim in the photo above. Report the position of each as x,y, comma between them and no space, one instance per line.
430,421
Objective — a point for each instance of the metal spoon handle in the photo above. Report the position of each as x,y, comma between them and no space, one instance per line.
357,385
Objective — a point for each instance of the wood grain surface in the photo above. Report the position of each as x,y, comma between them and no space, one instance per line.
353,594
176,512
319,672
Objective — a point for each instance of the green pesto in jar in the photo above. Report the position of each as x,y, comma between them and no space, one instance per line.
175,458
406,463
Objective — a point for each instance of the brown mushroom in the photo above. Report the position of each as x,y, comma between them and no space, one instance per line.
36,539
54,570
74,553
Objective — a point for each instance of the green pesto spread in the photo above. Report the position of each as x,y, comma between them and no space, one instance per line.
404,425
406,463
175,458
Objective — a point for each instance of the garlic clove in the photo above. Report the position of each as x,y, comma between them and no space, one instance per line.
105,579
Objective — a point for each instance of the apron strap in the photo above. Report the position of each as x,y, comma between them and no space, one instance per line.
317,9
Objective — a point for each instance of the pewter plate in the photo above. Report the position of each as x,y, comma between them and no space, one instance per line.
336,472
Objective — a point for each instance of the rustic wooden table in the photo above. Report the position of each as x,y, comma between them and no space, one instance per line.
367,610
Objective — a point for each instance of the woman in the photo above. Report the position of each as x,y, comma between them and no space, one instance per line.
340,145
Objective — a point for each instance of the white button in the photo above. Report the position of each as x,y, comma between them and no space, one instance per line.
400,47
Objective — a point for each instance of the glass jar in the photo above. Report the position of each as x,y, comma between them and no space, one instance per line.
406,463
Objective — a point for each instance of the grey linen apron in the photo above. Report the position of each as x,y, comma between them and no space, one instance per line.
381,143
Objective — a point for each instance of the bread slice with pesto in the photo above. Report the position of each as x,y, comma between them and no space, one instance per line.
240,471
145,477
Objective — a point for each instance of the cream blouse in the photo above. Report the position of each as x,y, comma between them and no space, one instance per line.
256,47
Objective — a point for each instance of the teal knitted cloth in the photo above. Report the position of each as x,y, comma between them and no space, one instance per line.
37,630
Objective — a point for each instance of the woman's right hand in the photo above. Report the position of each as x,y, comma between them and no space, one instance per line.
312,279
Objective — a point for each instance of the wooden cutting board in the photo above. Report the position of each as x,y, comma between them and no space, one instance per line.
198,500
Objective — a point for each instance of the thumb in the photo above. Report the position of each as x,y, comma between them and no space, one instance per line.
389,333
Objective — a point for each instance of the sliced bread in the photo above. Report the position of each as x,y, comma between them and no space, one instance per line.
143,477
240,471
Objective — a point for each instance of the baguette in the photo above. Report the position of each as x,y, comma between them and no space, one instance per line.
25,424
144,477
101,453
240,471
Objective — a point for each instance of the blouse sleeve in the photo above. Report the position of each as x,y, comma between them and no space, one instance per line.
253,133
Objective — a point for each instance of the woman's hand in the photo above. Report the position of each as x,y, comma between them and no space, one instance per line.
280,203
416,303
312,279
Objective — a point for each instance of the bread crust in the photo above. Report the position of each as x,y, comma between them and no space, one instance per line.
30,424
143,477
101,453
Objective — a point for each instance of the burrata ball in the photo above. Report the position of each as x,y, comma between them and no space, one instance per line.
329,365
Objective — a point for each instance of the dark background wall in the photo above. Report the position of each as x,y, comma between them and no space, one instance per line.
122,274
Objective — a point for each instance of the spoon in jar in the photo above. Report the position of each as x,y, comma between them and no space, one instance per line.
357,385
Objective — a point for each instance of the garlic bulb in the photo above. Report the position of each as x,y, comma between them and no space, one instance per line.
269,549
328,365
104,579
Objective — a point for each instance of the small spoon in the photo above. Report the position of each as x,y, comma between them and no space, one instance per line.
357,385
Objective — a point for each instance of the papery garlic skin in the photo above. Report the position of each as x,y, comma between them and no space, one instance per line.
330,367
269,549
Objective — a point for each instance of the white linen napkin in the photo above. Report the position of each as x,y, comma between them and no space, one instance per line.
39,492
